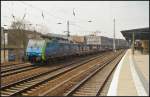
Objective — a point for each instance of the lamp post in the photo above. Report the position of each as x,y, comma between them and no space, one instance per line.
114,45
68,32
4,44
68,29
89,21
133,39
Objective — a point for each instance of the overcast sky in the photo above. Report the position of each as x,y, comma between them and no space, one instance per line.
128,15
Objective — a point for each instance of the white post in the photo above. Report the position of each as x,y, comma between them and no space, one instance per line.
68,34
114,46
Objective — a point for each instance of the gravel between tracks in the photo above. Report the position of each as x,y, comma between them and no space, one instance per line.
95,83
15,66
63,79
36,71
6,83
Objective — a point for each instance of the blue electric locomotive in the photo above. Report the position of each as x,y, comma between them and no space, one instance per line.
42,50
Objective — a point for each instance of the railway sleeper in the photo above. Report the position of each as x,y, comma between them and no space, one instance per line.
89,90
6,93
23,86
83,94
95,92
11,90
15,88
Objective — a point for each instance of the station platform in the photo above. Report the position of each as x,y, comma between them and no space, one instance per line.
131,77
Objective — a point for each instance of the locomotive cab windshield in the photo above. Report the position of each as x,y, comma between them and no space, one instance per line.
34,49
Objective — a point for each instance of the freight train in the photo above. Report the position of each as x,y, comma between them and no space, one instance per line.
41,50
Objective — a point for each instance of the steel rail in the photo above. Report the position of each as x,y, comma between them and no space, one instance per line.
27,79
82,82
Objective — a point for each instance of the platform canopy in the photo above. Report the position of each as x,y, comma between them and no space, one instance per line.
140,33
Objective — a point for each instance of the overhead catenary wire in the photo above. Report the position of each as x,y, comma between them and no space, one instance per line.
47,12
41,10
38,9
83,29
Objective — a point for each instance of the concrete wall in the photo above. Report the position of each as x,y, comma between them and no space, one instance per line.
18,54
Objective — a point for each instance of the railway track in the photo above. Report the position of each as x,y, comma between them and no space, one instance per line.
18,70
93,84
10,64
106,86
11,86
40,84
72,80
11,79
14,67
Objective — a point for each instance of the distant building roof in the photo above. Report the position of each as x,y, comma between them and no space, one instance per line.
140,33
50,36
25,31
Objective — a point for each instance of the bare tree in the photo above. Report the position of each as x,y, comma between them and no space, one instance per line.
19,27
23,26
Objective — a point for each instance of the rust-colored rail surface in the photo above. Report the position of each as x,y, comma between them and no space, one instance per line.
14,66
94,83
9,83
63,79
